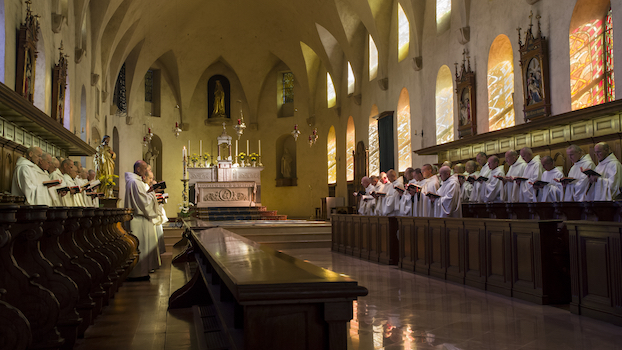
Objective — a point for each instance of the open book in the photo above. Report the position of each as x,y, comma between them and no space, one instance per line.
51,183
482,179
520,178
540,183
91,184
159,186
432,195
567,180
590,172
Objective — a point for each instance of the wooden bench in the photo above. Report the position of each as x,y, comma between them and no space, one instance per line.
247,296
372,238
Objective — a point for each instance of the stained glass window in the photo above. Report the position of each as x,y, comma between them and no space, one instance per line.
288,87
444,106
373,59
331,95
350,142
331,147
149,86
351,80
591,63
443,9
403,131
374,156
500,84
403,29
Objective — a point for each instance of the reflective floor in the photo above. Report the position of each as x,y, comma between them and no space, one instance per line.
402,311
407,311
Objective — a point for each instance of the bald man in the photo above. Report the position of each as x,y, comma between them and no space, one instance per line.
574,190
406,204
531,174
511,189
415,195
448,204
367,203
493,187
477,195
392,199
143,200
607,186
552,191
381,188
73,198
28,178
466,190
430,185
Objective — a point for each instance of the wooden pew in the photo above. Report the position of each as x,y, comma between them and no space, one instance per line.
264,299
373,238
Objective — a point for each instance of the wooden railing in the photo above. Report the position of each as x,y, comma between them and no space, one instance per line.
60,266
248,296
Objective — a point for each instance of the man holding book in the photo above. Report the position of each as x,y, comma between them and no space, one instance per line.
606,179
366,200
430,185
493,186
547,189
511,189
30,180
447,199
576,184
477,196
531,174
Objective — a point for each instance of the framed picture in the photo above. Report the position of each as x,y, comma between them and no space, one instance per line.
534,61
27,55
465,93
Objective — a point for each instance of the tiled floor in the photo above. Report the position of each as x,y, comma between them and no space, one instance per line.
402,311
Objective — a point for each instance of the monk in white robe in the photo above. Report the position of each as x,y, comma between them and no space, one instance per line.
511,189
494,186
466,188
575,191
366,201
28,178
405,203
145,206
392,199
448,205
73,198
553,191
476,194
414,193
430,185
532,173
605,187
380,193
55,174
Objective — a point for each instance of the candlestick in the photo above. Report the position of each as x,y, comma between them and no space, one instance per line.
260,148
201,147
247,147
236,148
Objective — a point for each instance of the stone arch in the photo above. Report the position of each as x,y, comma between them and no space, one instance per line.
404,147
444,106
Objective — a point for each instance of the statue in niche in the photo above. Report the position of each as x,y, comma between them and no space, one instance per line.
104,163
219,101
151,155
286,164
465,107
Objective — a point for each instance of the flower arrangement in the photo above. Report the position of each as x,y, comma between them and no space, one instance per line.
242,156
194,158
206,156
253,157
108,180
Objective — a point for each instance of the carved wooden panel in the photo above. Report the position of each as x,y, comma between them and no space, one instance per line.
606,125
521,141
539,138
498,255
475,253
421,237
466,153
454,235
559,134
407,244
438,245
506,143
581,130
492,147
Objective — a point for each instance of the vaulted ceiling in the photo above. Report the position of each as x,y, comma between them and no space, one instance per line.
251,37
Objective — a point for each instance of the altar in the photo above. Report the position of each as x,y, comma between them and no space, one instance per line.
226,183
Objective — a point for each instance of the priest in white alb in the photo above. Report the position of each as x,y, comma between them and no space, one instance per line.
605,187
470,172
392,199
145,205
28,178
531,174
366,200
511,189
380,193
406,203
493,187
552,191
448,205
73,198
430,185
574,190
477,196
414,191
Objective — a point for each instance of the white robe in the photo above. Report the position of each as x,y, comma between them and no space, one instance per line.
146,209
28,182
476,194
367,202
56,198
493,187
416,199
392,200
381,188
511,189
553,191
467,188
449,204
607,187
430,185
533,172
70,200
575,191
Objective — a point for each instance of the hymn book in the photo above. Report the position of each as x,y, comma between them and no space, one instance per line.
567,180
432,195
159,186
52,183
91,184
519,178
590,172
482,179
540,183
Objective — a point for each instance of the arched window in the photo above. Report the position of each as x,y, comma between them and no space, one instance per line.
444,106
331,148
591,54
374,155
443,14
350,144
500,84
403,30
403,131
351,79
331,95
373,59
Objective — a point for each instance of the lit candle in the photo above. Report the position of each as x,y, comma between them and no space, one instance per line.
248,143
260,148
200,147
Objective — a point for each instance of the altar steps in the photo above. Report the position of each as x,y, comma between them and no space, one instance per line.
237,213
